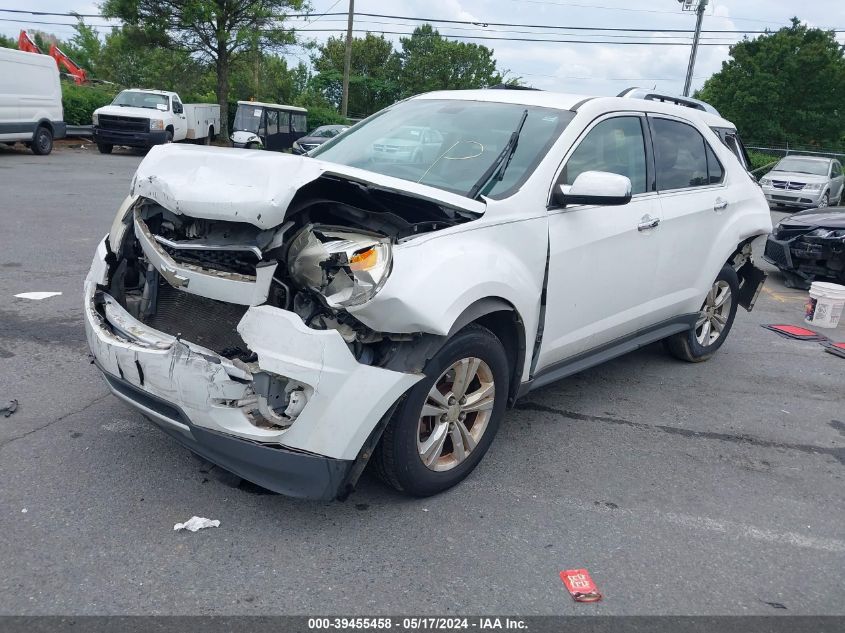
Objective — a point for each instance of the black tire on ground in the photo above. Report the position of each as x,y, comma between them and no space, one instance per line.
686,345
168,136
105,148
825,201
397,460
42,141
210,138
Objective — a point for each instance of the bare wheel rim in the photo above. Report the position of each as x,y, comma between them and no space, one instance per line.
714,314
456,414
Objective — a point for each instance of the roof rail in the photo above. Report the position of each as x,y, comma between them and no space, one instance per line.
511,87
650,95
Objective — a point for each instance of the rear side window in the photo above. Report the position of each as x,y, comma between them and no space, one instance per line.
680,156
715,172
298,122
615,145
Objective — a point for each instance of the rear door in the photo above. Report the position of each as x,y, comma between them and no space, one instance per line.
695,203
602,260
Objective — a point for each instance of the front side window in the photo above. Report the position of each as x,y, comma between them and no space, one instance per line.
272,121
465,139
615,145
680,155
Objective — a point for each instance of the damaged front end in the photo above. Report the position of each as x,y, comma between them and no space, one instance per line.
808,245
231,329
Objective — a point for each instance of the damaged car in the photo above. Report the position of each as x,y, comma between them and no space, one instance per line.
295,318
809,245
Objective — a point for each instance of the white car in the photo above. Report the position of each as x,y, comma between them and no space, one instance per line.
30,100
143,118
291,318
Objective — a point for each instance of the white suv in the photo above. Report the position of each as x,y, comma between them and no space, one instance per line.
292,318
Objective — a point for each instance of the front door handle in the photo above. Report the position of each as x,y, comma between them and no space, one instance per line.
720,204
647,222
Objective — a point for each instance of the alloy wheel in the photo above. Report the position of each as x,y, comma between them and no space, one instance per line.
456,413
825,201
714,313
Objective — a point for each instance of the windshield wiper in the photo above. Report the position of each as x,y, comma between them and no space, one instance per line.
496,171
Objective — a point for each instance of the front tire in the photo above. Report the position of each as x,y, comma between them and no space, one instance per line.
105,148
825,201
714,322
42,141
449,419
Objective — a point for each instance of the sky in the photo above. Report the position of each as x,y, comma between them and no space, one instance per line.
595,68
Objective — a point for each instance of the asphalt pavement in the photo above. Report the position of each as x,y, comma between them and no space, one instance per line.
712,488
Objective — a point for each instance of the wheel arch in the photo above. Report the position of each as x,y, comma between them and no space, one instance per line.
43,123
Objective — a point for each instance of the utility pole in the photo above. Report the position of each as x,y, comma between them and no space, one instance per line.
699,10
347,60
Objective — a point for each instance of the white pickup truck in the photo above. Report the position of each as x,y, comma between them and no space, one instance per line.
143,118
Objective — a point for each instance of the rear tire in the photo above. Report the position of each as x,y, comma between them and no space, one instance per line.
42,141
422,455
714,322
105,148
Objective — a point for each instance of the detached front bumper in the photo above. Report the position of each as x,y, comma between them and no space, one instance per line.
204,400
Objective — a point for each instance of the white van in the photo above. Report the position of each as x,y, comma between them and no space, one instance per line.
30,100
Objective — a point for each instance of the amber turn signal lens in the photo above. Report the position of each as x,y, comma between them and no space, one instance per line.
364,260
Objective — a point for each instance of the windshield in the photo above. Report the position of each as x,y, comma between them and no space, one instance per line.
151,100
803,165
326,131
247,119
448,144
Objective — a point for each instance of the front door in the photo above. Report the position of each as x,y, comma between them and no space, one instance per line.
602,260
180,120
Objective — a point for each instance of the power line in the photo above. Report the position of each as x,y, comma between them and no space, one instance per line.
477,23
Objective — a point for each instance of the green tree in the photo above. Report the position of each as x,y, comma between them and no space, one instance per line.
373,76
84,47
218,31
7,42
431,62
786,86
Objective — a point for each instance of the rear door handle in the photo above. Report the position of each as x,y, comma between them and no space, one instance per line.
647,222
720,204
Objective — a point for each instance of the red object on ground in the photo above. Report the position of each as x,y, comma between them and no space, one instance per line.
796,332
580,586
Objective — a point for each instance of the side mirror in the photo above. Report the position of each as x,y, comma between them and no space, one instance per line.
594,187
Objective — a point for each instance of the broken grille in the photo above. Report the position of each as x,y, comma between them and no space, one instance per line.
241,262
778,252
206,322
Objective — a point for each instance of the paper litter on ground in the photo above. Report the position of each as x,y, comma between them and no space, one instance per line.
196,523
37,296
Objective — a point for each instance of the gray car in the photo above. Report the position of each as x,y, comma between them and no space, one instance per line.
804,181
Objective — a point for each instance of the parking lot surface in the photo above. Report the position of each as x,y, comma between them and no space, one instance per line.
711,488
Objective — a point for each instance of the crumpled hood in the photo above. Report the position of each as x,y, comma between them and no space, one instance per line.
815,217
254,186
142,113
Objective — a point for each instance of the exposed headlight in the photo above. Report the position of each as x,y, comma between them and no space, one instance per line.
156,124
296,144
765,182
347,268
95,119
813,186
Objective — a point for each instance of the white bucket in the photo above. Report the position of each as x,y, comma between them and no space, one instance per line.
824,308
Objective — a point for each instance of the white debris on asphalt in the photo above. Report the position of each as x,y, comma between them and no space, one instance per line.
23,511
37,296
196,523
